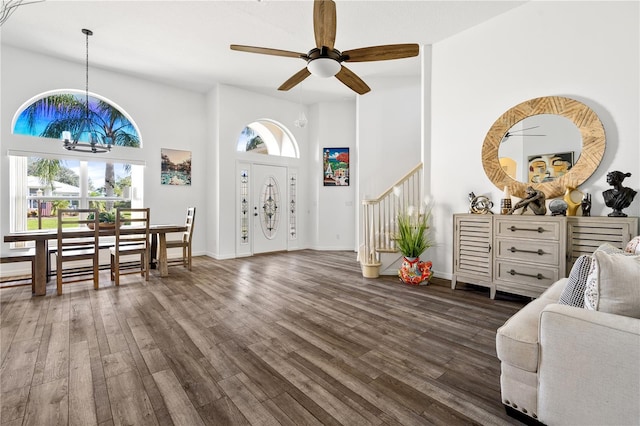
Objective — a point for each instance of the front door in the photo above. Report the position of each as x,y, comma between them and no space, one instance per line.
269,208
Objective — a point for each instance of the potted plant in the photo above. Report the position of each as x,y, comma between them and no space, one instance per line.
412,240
105,219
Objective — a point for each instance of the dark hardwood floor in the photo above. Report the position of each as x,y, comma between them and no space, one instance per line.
295,338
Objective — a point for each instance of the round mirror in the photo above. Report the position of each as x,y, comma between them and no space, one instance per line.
548,143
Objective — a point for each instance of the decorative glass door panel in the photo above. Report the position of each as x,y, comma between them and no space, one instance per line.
270,207
269,204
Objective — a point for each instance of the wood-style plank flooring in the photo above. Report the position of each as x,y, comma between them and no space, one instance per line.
296,338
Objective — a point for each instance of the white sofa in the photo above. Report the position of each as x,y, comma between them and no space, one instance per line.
564,365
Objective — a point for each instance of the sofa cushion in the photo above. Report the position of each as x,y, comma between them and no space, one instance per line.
517,339
633,246
613,284
611,249
573,293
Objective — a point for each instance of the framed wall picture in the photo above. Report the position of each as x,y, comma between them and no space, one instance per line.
176,167
336,166
548,167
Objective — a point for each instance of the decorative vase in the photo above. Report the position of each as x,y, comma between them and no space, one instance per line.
505,202
415,272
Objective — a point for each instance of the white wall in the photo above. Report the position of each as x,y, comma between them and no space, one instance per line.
333,208
588,51
166,117
388,133
230,110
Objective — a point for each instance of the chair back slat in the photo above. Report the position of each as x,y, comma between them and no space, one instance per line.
71,222
189,221
132,219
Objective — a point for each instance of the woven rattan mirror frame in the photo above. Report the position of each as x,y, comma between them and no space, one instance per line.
587,121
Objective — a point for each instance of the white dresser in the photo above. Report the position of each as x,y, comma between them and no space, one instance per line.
525,254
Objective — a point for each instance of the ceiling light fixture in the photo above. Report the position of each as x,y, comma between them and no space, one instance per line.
94,144
324,62
302,120
10,6
324,67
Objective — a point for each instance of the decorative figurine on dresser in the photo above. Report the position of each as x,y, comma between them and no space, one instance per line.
558,208
535,200
619,197
572,206
586,204
479,204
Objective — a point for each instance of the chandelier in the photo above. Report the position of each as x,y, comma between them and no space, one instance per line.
95,144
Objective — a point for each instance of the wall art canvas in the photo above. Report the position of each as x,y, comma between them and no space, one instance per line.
176,167
547,167
336,166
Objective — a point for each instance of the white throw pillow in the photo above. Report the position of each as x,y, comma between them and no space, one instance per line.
613,284
633,246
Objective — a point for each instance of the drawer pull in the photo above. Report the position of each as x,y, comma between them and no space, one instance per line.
539,230
539,252
537,276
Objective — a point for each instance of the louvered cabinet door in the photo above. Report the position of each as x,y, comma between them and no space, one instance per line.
472,257
585,234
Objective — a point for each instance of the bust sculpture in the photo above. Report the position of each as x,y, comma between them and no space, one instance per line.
619,197
534,199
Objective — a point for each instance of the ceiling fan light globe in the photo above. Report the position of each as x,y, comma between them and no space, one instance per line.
324,67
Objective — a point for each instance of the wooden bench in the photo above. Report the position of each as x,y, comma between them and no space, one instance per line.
28,256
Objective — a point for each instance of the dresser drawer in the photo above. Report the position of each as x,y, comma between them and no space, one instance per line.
525,275
533,291
532,251
529,228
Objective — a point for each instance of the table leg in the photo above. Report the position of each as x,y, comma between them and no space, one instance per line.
40,268
154,251
164,268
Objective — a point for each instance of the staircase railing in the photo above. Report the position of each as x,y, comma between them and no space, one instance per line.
380,215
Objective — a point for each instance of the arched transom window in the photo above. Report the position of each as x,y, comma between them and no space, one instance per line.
268,137
50,114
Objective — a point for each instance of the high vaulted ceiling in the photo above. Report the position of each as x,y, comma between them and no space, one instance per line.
186,43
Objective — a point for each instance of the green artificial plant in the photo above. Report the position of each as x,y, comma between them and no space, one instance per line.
412,238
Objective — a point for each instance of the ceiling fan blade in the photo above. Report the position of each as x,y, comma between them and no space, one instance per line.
267,51
324,23
295,79
381,53
352,81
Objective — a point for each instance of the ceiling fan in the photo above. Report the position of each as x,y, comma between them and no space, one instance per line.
326,61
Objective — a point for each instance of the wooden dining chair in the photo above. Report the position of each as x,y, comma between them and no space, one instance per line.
73,246
135,241
185,241
22,257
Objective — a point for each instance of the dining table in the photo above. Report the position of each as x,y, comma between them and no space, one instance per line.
42,237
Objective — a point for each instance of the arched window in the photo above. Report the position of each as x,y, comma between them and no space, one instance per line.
42,183
268,137
49,114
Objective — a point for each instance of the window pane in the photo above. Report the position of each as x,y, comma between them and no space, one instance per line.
42,186
51,185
